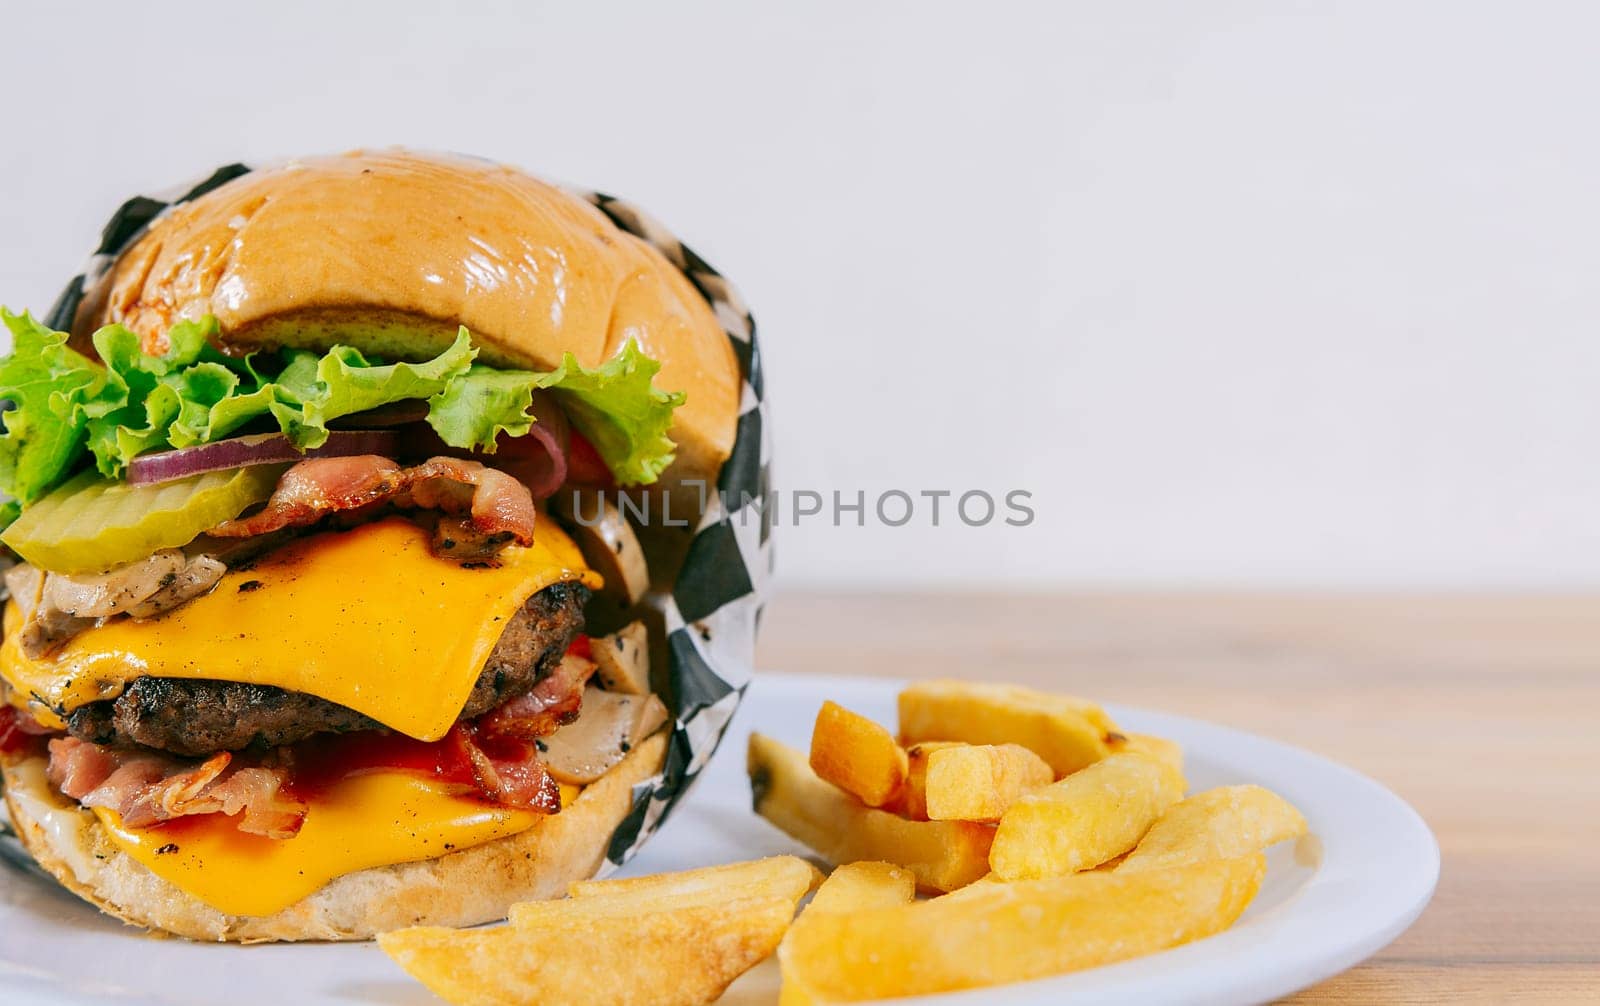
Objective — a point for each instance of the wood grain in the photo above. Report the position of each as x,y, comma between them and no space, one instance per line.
1482,712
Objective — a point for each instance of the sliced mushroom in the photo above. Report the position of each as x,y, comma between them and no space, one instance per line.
608,542
104,594
199,574
46,629
25,585
607,729
623,659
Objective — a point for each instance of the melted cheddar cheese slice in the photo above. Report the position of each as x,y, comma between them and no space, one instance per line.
368,618
364,821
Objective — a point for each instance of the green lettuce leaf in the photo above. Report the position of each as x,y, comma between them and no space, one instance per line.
482,404
162,401
614,405
622,414
53,390
132,430
192,394
67,406
343,382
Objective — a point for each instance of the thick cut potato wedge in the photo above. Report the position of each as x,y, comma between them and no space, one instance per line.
776,876
1158,748
849,888
683,957
913,802
1068,733
857,755
1085,819
1014,932
1217,824
977,782
943,855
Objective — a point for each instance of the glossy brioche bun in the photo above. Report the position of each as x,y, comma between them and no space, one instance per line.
462,889
391,251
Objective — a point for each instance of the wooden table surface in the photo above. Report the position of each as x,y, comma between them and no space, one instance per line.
1482,712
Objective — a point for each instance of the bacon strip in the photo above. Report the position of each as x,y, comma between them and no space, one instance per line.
256,794
553,703
18,729
507,772
145,788
495,503
502,745
316,487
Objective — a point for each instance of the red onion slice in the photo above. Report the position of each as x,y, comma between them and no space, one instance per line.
257,449
544,476
538,459
412,410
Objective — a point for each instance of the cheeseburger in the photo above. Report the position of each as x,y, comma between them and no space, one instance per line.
295,640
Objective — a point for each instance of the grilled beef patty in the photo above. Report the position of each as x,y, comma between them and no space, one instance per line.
197,717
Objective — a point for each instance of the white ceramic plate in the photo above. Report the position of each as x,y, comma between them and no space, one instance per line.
1326,904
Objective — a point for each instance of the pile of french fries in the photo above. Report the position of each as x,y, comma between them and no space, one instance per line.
1048,840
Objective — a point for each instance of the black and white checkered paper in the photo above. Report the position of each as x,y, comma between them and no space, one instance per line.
715,606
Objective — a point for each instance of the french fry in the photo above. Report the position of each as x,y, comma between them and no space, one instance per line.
1158,748
866,884
776,876
849,888
1068,733
681,957
983,883
857,755
977,782
1014,932
1115,861
913,802
1217,824
943,855
1085,819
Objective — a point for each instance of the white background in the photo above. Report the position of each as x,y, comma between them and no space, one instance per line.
1246,294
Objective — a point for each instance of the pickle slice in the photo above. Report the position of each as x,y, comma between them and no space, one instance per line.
90,525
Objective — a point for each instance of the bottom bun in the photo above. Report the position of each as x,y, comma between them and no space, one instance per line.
462,889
